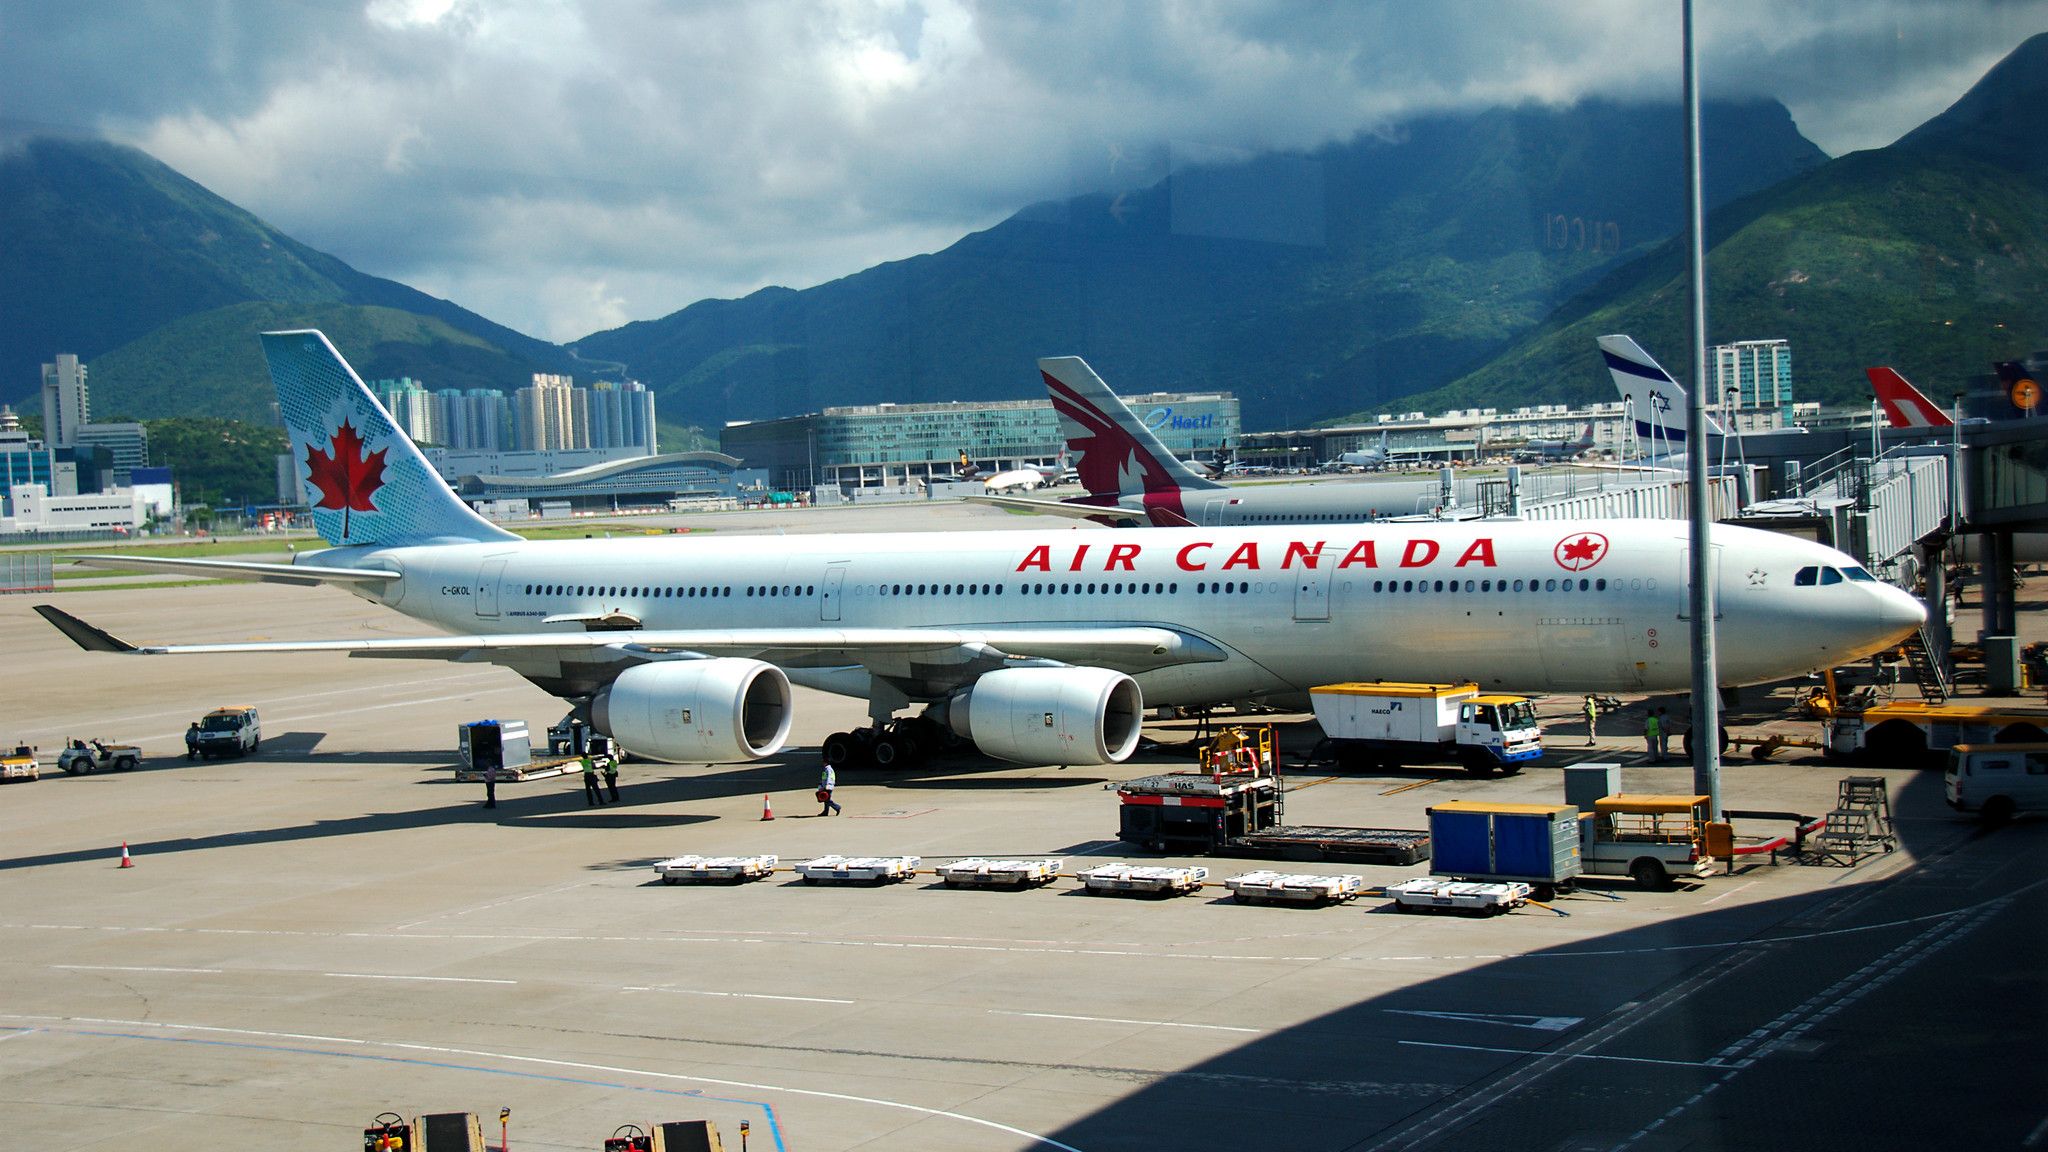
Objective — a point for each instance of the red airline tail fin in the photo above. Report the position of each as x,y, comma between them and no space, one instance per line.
1904,406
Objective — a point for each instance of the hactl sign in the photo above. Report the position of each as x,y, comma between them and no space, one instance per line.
1164,418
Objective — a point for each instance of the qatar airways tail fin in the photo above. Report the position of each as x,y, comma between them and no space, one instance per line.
366,481
1113,452
1904,405
1658,403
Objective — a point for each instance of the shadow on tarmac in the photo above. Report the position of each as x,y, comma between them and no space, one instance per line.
1808,1021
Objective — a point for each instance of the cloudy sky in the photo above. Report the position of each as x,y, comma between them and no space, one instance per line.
567,167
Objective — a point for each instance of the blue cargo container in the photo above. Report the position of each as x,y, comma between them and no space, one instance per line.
1533,843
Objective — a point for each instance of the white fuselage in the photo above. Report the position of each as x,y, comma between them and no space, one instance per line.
1592,606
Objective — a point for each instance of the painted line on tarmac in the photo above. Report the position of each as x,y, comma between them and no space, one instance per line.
1730,892
516,1058
126,968
435,979
737,995
1120,1020
1540,1054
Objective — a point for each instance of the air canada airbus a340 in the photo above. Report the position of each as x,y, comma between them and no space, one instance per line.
1041,647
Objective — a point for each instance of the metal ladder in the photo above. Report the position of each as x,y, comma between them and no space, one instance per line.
1928,671
1861,822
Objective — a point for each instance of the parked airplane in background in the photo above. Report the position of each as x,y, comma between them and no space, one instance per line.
1369,459
1031,476
1906,406
1040,647
1555,449
1131,478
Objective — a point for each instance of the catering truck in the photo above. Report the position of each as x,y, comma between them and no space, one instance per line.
1393,724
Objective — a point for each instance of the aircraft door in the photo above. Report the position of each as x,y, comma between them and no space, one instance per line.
1212,512
1585,653
828,604
1312,594
1713,581
486,594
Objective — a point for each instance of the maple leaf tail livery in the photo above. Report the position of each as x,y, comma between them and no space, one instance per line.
1904,405
1039,647
365,481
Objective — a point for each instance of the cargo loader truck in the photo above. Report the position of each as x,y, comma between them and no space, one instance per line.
1392,724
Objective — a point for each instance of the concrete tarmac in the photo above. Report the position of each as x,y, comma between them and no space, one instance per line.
333,928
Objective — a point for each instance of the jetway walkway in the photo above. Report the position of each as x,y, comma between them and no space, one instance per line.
1875,509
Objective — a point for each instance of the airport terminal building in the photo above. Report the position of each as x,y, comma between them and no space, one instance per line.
883,445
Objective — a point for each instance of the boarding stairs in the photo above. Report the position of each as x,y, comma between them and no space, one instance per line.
1860,824
1929,669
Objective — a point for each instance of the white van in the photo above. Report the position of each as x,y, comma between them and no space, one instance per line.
231,731
1997,780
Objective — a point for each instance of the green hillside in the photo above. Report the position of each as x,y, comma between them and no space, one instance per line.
1309,284
1926,256
109,254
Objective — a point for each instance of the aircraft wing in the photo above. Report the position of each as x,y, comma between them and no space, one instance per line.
897,652
302,574
1061,508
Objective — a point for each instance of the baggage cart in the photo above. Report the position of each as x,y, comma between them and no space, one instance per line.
1266,886
1535,844
720,869
1144,879
975,872
858,869
1471,898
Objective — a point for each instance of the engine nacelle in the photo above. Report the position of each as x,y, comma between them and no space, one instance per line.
1051,715
722,711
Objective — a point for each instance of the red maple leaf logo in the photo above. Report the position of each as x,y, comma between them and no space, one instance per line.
348,476
1577,555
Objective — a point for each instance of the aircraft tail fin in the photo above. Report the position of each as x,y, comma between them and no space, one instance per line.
1115,454
1904,405
1655,398
364,478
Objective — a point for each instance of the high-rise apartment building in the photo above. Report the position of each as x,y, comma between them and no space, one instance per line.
67,405
1756,375
547,414
411,407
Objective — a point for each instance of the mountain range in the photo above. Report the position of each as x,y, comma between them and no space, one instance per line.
1458,260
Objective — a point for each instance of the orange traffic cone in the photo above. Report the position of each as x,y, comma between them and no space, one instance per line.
767,809
125,861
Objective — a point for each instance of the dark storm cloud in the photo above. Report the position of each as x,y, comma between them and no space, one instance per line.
565,167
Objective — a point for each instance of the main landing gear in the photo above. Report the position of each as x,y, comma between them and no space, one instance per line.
896,744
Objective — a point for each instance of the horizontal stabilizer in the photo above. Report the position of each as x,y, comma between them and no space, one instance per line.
1061,508
82,634
306,575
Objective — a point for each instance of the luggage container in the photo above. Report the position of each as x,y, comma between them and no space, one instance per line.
1423,894
858,869
1293,888
975,872
1536,844
1144,879
722,869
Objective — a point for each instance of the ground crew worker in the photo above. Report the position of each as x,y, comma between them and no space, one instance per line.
1663,734
591,795
491,782
827,782
611,776
192,741
1653,735
1592,711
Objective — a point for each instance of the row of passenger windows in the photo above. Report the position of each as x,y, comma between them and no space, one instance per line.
1118,588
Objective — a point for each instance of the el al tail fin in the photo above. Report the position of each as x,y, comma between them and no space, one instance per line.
365,480
1656,399
1904,405
1113,451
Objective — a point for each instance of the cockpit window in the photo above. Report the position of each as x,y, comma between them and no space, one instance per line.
1830,576
1806,577
1859,574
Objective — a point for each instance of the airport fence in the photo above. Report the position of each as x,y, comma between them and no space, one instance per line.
26,572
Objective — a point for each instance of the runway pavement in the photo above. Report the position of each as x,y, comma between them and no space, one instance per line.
334,928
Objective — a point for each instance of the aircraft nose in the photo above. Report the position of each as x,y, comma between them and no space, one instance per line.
1898,612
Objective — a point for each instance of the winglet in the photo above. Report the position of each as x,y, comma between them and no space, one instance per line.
82,634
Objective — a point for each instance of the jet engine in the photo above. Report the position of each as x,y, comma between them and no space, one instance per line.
1051,715
721,711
